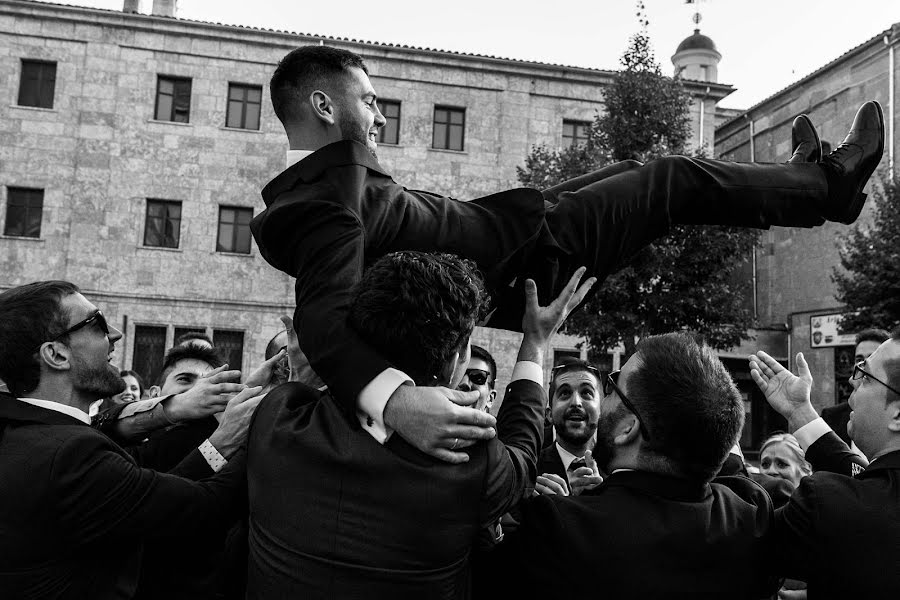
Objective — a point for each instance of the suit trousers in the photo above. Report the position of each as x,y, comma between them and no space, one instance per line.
602,219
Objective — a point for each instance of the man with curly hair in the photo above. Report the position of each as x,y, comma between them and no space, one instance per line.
335,514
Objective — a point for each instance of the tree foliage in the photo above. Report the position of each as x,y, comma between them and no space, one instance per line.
869,282
686,280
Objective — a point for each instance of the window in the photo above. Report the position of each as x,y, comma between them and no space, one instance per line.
149,352
230,345
390,133
173,99
449,126
559,355
575,133
24,208
37,84
243,106
162,228
234,229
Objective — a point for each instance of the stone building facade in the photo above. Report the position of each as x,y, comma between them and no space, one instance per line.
141,143
793,266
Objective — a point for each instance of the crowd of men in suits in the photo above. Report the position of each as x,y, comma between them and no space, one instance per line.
377,470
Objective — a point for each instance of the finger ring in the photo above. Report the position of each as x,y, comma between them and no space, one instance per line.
455,442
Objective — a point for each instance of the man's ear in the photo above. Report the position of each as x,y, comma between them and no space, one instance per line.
629,432
322,107
56,356
154,391
894,424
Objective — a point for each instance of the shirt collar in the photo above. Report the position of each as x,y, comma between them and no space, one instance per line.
565,456
295,156
61,408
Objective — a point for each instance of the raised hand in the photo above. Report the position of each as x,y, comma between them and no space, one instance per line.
438,420
263,373
586,477
542,322
231,434
785,392
208,396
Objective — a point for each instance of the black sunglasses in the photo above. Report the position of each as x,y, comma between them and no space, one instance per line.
95,316
859,373
610,384
477,376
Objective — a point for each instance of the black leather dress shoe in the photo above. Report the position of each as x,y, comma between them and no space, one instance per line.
849,166
805,141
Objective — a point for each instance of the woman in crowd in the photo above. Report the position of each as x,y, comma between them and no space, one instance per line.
781,456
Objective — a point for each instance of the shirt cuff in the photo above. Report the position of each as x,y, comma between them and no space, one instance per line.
140,406
374,397
736,450
812,431
525,369
215,460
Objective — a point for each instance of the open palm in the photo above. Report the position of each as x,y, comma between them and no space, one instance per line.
784,391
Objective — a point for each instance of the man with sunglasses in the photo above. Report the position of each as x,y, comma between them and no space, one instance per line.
480,376
71,495
845,504
660,525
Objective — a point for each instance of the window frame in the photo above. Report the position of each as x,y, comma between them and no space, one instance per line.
448,124
245,87
148,217
175,80
234,232
575,139
26,208
25,62
383,103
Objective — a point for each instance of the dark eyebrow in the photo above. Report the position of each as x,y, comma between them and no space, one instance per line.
186,374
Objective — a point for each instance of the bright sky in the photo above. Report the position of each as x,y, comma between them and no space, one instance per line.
765,44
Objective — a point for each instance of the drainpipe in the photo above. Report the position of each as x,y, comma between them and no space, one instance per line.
753,252
703,114
889,43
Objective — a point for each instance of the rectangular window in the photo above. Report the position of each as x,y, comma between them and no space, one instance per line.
575,133
390,133
173,99
559,355
162,228
234,229
149,352
244,102
449,128
230,345
24,208
38,83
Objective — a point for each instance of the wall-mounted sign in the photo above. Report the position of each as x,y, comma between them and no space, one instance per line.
823,332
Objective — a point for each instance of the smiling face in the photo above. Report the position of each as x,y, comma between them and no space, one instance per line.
358,117
874,408
131,393
575,406
478,367
93,377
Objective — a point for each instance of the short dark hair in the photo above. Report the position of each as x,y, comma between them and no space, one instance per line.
138,378
572,364
417,309
689,404
891,367
30,315
873,334
193,335
479,352
304,70
189,351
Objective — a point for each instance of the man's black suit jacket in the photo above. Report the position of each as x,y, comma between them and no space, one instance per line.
335,514
837,417
640,535
334,211
76,509
841,533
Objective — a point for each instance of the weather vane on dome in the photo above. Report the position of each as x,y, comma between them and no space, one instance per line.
697,17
